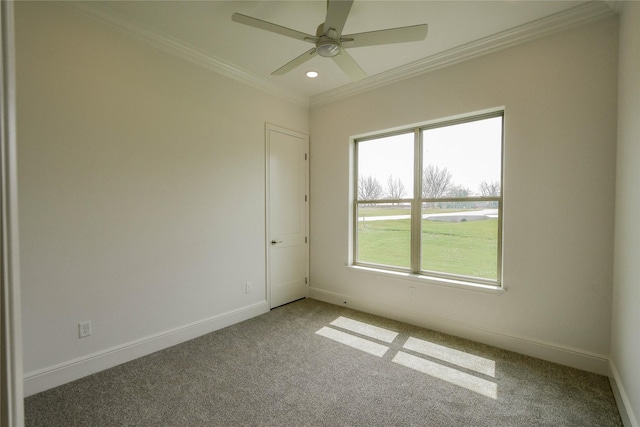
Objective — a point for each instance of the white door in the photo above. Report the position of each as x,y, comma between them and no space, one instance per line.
287,217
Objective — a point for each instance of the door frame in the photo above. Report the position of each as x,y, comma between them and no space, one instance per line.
269,127
11,388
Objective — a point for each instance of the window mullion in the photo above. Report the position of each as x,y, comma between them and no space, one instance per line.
416,208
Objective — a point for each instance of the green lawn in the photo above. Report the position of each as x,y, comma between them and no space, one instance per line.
395,210
466,248
377,211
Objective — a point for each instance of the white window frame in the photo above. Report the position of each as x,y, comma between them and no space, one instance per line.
415,272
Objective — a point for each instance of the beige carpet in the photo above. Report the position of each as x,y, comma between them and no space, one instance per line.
314,364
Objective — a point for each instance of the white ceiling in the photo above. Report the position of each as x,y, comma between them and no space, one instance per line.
204,31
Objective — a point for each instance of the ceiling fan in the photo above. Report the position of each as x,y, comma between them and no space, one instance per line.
331,43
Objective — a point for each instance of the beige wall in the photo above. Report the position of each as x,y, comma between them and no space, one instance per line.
625,342
559,95
141,183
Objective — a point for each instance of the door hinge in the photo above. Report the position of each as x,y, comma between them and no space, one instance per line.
306,282
305,156
305,239
305,197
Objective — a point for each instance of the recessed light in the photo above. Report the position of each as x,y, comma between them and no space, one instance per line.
312,74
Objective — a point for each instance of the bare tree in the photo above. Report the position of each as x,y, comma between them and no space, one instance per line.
369,188
458,191
395,188
436,182
490,189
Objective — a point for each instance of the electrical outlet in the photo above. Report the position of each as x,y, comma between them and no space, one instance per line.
84,329
248,287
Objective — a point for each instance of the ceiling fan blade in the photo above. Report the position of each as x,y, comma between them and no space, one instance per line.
295,63
349,66
274,28
392,35
337,12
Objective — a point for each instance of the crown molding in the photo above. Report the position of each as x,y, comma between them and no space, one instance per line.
579,15
615,5
168,44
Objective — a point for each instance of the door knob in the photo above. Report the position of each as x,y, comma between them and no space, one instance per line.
273,242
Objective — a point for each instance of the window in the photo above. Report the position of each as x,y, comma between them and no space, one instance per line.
428,200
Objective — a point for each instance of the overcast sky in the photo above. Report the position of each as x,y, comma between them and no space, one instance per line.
470,151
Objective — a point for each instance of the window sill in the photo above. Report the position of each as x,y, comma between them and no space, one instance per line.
430,281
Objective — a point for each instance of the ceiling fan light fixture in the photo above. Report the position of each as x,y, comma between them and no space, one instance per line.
328,48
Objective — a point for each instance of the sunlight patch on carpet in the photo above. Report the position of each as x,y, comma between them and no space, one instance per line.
450,375
365,329
353,341
450,356
455,357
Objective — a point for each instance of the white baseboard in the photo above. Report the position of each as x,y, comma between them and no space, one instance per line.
53,376
624,405
563,355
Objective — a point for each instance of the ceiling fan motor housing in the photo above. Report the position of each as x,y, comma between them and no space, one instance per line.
328,48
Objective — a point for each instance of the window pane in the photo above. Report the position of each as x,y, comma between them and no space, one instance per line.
460,238
462,160
385,168
384,234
